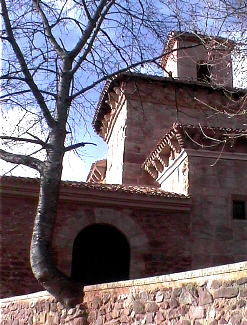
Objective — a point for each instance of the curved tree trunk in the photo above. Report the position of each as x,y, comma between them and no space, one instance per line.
63,288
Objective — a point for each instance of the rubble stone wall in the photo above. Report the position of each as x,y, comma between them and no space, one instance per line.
212,296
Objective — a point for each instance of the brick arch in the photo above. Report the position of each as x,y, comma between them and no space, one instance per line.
63,243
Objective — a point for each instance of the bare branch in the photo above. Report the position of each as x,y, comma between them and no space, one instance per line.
22,159
47,29
37,141
29,80
94,22
128,68
78,145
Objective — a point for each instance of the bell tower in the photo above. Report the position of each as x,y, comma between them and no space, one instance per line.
194,57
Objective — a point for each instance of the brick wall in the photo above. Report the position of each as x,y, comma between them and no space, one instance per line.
217,237
153,107
17,215
214,296
147,222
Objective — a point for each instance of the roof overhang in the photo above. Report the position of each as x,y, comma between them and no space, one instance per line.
100,194
119,81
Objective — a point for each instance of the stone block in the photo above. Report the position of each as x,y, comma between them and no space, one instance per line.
151,306
204,296
97,302
196,312
186,298
159,297
225,292
138,307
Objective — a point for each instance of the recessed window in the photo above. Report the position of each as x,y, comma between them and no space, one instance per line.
203,71
238,210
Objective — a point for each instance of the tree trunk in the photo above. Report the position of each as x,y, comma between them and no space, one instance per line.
63,288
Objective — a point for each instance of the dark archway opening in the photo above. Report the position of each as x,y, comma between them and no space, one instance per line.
101,254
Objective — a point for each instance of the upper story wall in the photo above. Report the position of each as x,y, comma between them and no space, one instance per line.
116,144
153,107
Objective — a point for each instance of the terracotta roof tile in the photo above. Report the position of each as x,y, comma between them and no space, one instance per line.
186,130
140,190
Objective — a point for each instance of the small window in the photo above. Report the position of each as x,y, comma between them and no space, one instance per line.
203,71
239,210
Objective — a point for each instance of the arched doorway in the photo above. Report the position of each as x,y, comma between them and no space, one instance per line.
101,254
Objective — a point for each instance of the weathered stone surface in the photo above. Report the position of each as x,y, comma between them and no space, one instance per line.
113,322
174,313
97,302
149,317
151,306
215,284
185,322
186,298
223,321
242,280
225,292
143,295
204,296
106,298
236,318
115,313
159,317
173,303
138,307
241,303
159,297
124,319
184,309
119,305
164,305
214,322
176,292
196,312
243,292
99,320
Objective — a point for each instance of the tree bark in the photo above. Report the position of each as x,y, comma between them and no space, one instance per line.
63,288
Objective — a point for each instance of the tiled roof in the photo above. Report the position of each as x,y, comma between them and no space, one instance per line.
97,171
181,131
140,190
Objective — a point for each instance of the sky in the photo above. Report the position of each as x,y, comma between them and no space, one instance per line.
76,164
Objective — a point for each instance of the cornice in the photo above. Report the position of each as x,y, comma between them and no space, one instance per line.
92,196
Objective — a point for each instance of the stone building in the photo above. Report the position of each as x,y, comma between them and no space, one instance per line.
171,195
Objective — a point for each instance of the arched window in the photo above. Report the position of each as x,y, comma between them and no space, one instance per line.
101,254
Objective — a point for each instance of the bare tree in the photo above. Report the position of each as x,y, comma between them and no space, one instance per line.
54,54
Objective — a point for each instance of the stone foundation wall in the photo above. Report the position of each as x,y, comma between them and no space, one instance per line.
212,296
